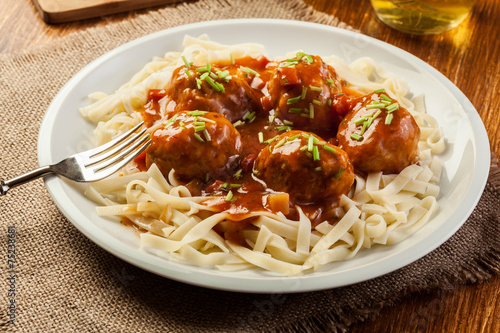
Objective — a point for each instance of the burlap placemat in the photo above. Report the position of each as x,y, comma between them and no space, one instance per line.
63,282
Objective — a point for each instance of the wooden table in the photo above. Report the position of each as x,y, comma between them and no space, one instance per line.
468,55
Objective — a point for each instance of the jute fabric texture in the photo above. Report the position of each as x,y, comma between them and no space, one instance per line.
63,282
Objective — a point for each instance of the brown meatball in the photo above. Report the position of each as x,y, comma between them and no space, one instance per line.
234,97
302,92
182,144
289,165
389,142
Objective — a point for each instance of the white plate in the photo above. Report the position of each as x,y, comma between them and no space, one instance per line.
466,160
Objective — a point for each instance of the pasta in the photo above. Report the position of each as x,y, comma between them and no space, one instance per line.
380,208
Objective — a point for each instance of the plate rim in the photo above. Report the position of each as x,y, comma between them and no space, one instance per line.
275,284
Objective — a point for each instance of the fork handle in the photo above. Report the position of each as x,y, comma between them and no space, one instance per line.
8,184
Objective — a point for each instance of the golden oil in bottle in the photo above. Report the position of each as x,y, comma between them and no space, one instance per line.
422,16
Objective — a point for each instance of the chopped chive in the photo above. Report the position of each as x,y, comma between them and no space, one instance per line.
255,172
375,105
380,90
339,173
304,92
235,185
280,143
308,154
330,149
224,186
206,120
188,73
213,76
303,148
310,143
237,174
337,95
198,123
251,117
198,137
196,113
237,123
182,124
212,83
376,114
293,100
388,119
203,76
356,137
305,115
207,177
392,107
283,128
229,196
231,55
314,88
295,110
330,81
261,137
369,122
198,83
311,111
223,74
207,135
318,169
186,63
288,122
271,118
359,121
365,126
384,96
305,135
293,137
245,116
315,153
317,102
329,102
249,71
309,59
204,69
271,139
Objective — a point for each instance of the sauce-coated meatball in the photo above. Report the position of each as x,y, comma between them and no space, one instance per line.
308,169
302,92
388,142
194,144
205,88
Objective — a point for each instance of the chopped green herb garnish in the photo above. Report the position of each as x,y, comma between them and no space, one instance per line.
198,83
388,119
317,102
339,173
198,137
356,137
237,174
380,90
392,107
310,143
315,153
329,102
359,121
375,105
330,149
317,169
207,135
238,123
188,73
229,196
283,128
295,110
231,55
249,71
271,139
337,95
293,100
304,92
311,111
387,98
293,137
186,63
288,122
314,88
261,137
280,143
235,185
196,113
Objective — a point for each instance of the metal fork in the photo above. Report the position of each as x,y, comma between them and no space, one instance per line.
93,164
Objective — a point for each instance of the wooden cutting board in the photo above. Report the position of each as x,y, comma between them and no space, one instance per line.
60,11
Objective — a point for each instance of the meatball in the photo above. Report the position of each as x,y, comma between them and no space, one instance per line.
305,166
213,89
194,144
302,90
379,135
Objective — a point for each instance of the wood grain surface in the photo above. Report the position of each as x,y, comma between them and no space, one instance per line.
62,11
468,55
